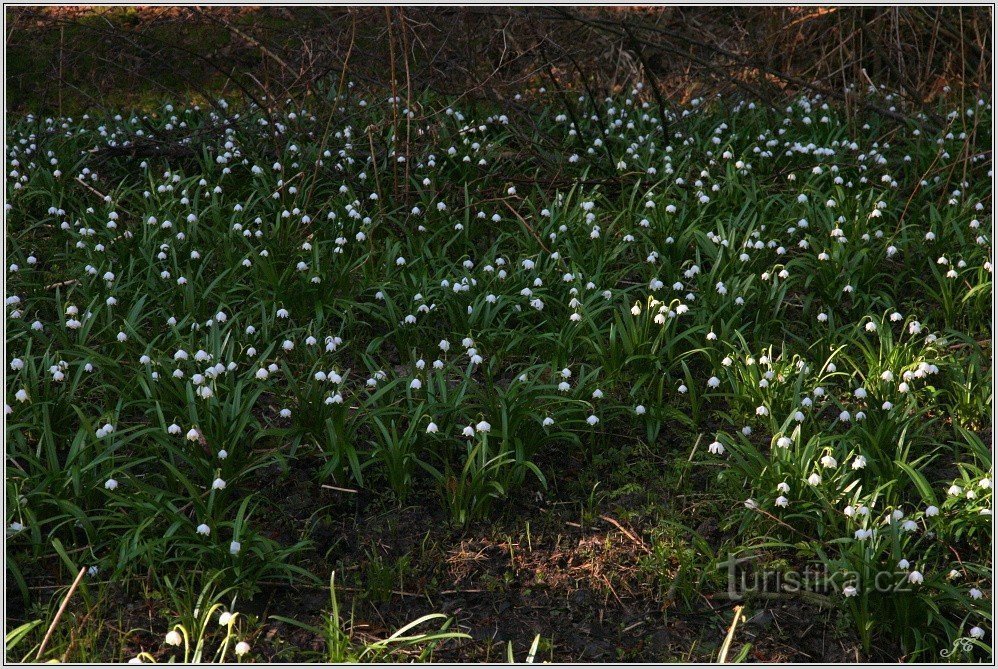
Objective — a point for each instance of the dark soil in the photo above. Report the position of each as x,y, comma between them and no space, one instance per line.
598,584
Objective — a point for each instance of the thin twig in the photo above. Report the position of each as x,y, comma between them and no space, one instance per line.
58,615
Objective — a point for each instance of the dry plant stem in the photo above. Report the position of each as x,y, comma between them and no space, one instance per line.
408,100
263,49
627,534
58,615
722,658
395,96
527,225
332,110
736,58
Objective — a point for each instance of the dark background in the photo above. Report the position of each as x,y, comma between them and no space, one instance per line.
66,60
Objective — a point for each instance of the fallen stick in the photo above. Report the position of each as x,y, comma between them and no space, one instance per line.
332,487
58,615
62,284
627,534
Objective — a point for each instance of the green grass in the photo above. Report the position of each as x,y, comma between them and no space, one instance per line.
708,310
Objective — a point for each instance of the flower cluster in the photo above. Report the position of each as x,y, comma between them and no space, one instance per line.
807,294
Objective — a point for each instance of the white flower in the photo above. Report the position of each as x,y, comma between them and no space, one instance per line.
975,593
932,511
713,382
193,434
814,479
903,564
444,345
416,384
262,373
111,484
203,529
716,448
859,462
849,591
915,577
21,395
977,632
431,428
173,638
828,462
863,535
592,420
469,431
242,648
224,618
483,426
218,484
640,410
547,421
782,501
234,547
